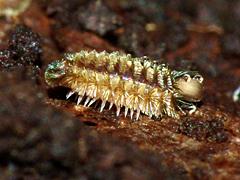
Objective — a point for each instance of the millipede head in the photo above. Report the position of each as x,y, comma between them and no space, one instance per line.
189,85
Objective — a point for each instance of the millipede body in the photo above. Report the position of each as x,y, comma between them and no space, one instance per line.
135,85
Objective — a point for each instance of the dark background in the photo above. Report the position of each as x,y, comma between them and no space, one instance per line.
44,136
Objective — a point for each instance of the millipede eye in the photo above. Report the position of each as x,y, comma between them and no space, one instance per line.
198,78
187,77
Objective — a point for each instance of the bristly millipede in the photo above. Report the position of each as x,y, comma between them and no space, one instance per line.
137,84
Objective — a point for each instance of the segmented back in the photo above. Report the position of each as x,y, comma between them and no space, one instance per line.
139,69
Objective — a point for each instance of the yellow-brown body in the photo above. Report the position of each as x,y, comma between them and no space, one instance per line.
137,84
